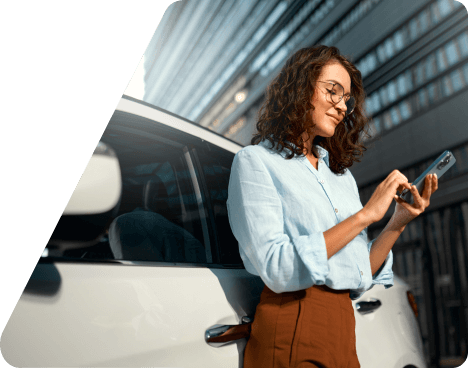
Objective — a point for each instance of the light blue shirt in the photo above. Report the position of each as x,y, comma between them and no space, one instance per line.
278,211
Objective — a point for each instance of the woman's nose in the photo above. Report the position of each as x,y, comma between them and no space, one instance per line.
342,105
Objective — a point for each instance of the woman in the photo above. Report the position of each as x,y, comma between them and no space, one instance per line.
294,208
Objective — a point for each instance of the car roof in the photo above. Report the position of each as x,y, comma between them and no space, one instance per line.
140,108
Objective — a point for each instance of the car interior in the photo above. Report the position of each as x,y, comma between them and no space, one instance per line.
158,217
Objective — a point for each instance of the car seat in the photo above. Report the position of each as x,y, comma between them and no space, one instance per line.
146,234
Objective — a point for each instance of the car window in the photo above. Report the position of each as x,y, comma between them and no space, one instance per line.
216,167
159,217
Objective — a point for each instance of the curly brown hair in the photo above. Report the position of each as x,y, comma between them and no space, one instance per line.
284,117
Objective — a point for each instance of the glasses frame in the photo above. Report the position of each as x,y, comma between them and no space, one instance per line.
350,98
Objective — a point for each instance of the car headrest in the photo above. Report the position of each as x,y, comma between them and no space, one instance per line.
155,197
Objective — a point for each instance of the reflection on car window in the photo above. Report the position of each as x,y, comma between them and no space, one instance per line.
162,222
159,217
216,166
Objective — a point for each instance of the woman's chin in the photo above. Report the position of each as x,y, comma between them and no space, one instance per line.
328,134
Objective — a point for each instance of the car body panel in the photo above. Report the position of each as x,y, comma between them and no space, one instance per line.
389,336
145,111
121,315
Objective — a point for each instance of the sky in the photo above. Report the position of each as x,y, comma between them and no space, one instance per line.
136,85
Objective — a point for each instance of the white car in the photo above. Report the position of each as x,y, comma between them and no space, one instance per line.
143,270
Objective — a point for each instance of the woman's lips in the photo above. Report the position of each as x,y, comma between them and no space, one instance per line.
334,118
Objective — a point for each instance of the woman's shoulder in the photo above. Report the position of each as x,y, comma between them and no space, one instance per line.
257,157
346,175
259,151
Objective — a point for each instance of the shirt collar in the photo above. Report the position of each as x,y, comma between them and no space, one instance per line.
322,152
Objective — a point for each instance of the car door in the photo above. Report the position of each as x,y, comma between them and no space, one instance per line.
213,166
148,291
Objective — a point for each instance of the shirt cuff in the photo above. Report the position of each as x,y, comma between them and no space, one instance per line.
384,275
312,251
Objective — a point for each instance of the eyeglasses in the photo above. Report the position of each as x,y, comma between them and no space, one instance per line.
336,92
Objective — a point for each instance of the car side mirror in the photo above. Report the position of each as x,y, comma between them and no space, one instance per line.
93,204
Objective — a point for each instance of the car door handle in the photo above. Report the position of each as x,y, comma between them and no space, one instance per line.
219,335
368,307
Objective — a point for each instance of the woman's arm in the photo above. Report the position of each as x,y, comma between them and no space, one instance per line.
383,244
403,214
341,234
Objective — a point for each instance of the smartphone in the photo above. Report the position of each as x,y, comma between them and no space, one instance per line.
444,162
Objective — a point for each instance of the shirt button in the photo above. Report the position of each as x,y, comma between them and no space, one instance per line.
322,181
336,210
362,273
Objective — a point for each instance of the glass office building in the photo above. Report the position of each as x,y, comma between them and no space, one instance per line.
211,62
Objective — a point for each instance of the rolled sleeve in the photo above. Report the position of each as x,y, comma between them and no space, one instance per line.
383,276
256,218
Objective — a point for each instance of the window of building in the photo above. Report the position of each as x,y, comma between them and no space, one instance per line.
372,61
363,67
387,120
395,114
424,19
409,32
398,40
457,80
375,102
413,29
389,49
441,60
377,125
432,92
422,98
463,44
383,95
451,52
465,72
430,66
392,92
401,83
447,86
381,53
435,13
368,106
409,80
419,72
445,7
405,110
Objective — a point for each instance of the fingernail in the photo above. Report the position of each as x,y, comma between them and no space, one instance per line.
435,176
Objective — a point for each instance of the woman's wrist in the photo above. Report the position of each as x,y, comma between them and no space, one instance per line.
396,224
364,218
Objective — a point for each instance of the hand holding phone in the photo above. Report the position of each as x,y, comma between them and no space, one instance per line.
439,167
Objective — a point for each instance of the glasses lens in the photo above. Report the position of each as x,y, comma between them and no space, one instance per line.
337,93
350,105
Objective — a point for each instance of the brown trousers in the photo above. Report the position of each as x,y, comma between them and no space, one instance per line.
303,329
